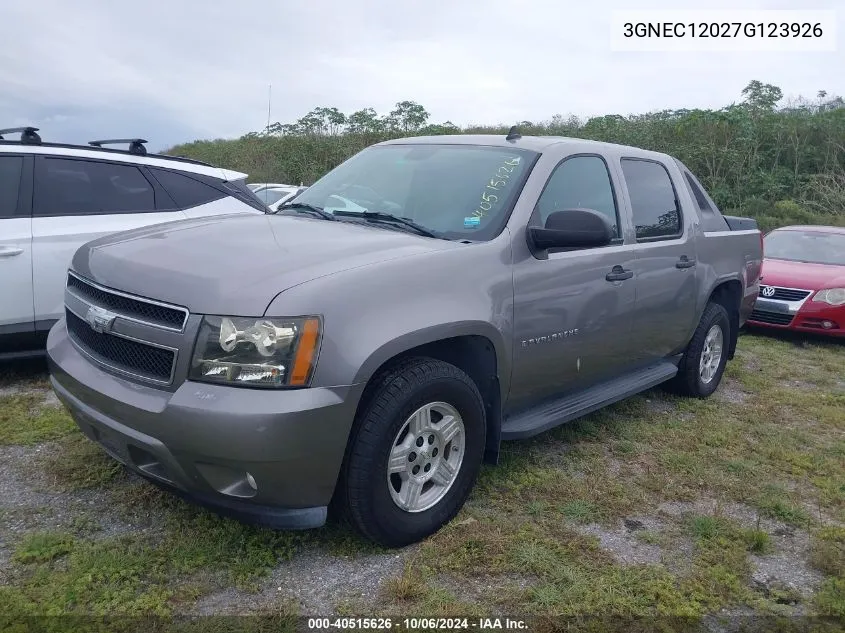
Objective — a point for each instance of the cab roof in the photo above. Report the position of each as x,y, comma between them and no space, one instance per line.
532,143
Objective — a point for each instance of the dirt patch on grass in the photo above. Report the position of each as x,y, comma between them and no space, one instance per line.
315,580
784,569
658,406
30,500
750,362
622,542
731,391
802,385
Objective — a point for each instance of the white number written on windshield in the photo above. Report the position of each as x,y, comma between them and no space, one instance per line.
494,189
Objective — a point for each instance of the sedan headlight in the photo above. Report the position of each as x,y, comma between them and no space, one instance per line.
833,296
256,352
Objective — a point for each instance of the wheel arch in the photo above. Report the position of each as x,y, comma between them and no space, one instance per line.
480,355
728,294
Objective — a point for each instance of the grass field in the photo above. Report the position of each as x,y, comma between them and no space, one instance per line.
674,510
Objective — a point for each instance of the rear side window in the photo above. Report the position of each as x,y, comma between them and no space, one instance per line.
698,194
653,202
242,192
186,191
580,182
81,187
10,183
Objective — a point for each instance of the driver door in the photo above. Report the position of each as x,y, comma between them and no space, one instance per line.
571,324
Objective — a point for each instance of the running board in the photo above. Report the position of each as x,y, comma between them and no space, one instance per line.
572,406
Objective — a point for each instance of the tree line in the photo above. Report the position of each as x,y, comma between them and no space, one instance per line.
779,162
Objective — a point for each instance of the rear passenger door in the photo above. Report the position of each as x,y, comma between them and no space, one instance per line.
665,260
77,200
16,312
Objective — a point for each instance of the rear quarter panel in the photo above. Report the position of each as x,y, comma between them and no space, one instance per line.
730,255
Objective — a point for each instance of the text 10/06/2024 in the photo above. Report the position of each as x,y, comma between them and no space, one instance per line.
417,624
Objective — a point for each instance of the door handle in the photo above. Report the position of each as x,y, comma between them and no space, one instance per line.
10,251
617,273
685,262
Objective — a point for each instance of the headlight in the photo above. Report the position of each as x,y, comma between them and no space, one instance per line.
833,296
262,352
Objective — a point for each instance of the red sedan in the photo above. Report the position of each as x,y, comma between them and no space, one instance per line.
802,287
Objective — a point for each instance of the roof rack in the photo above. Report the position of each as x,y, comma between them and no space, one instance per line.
136,145
28,134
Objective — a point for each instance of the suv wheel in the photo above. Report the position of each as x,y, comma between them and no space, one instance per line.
416,454
701,368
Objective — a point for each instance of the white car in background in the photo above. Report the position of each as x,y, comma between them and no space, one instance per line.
259,186
274,196
55,197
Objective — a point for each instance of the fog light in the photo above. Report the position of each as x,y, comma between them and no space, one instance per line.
827,324
233,482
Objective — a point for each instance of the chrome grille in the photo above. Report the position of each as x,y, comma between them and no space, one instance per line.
784,294
122,354
126,334
773,318
133,308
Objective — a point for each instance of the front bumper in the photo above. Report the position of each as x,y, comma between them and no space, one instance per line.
271,457
799,316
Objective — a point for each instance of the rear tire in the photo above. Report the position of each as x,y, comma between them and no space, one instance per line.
701,368
416,452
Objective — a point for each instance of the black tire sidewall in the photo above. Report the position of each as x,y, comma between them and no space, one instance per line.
394,525
716,315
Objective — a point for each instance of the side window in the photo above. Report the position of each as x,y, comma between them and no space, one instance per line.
10,183
580,182
698,194
186,191
653,202
81,187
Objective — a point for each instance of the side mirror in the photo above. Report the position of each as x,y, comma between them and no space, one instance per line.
571,228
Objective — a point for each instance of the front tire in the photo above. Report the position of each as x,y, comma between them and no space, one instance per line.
701,368
416,454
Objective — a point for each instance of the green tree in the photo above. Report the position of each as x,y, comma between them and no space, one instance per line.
780,164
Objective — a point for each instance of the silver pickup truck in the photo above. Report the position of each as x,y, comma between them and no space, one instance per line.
371,344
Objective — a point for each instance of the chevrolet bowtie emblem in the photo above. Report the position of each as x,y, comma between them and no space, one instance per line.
100,319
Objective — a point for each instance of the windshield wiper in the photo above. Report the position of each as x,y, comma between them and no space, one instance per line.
379,216
304,206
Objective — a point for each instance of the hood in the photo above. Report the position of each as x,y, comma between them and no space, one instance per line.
236,264
781,272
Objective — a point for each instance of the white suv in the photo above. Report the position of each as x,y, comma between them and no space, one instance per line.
54,198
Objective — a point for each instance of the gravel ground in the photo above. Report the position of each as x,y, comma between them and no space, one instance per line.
623,543
785,568
316,580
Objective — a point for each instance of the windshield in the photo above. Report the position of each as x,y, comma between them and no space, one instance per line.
457,191
806,246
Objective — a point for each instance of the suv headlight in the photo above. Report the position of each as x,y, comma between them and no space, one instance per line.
256,352
833,296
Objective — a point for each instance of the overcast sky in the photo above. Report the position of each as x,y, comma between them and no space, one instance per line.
178,70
